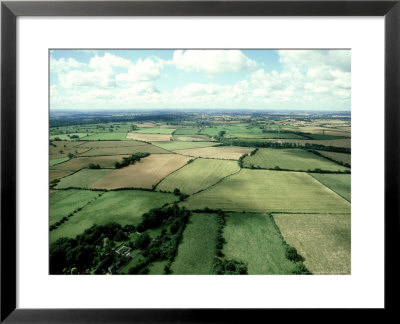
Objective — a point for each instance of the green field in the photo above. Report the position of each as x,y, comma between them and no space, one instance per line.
64,202
325,137
154,131
187,131
341,157
157,268
67,137
269,191
107,137
254,239
197,249
214,131
198,175
84,178
339,183
123,207
324,241
176,145
58,161
265,135
290,159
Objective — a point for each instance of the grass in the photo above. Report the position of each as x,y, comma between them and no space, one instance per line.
130,264
290,159
58,161
217,152
67,137
214,131
324,241
176,145
144,174
254,239
341,157
64,202
269,191
339,183
324,137
78,163
266,135
198,175
123,207
154,131
106,137
157,268
83,178
197,249
186,131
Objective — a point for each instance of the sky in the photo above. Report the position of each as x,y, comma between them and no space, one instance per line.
200,79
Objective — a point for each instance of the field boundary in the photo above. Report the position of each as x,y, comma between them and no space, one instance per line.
332,189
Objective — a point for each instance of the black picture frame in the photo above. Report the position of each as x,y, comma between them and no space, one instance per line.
10,10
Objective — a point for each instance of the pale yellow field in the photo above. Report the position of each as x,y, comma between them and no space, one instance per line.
111,144
323,240
144,174
219,152
194,138
149,137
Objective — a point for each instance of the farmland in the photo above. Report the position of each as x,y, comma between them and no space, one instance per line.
322,240
64,202
176,145
290,159
149,137
123,207
84,178
218,152
144,174
123,150
254,239
339,183
197,250
198,175
214,193
269,191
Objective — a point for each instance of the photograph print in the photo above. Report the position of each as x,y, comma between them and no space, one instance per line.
199,162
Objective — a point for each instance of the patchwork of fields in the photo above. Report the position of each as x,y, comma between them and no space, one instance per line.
269,199
269,191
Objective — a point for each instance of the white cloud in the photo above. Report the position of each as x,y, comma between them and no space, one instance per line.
212,61
64,65
143,70
108,61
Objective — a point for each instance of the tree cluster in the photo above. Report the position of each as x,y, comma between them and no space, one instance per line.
91,249
131,159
